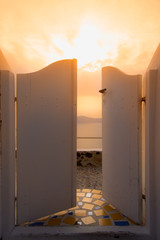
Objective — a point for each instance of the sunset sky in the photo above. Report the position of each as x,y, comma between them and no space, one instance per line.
121,33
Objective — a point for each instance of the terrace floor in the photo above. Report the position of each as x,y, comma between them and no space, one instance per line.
92,209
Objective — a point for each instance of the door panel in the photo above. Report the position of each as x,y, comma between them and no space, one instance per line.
46,149
122,141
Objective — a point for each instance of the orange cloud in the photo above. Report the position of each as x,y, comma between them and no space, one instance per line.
123,33
29,30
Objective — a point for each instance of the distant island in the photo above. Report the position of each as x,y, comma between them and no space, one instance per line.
84,119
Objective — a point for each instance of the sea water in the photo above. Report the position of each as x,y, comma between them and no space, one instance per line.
89,136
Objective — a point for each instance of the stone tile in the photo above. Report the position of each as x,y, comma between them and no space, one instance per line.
121,223
116,216
70,220
90,213
88,206
80,203
97,196
36,224
88,195
88,220
105,222
54,222
99,212
79,223
98,202
80,213
108,208
86,190
96,191
79,194
89,200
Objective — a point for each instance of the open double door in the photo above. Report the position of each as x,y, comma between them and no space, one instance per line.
46,141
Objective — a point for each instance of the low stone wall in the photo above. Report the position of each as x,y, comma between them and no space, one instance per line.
89,158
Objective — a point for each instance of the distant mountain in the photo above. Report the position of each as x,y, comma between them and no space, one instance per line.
84,119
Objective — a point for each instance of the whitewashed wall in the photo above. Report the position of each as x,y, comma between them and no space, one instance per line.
8,150
152,90
7,135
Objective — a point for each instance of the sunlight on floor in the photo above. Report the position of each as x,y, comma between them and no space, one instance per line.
91,209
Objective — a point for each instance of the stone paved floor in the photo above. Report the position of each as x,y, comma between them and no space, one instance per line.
89,177
92,209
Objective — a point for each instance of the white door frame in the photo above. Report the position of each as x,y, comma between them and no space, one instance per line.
7,179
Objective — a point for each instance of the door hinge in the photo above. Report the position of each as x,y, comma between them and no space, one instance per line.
144,196
143,99
15,153
15,99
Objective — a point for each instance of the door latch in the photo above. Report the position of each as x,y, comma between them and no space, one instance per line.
103,90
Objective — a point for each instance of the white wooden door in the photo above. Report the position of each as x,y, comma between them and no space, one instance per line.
46,148
121,145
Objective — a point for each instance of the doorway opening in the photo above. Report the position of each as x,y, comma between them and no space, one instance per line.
92,209
89,197
89,130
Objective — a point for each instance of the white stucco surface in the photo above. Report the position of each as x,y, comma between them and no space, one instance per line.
152,90
7,150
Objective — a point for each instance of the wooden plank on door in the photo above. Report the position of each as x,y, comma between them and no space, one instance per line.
47,140
122,141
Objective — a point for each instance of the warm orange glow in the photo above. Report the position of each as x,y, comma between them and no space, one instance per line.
89,106
90,46
97,33
91,49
